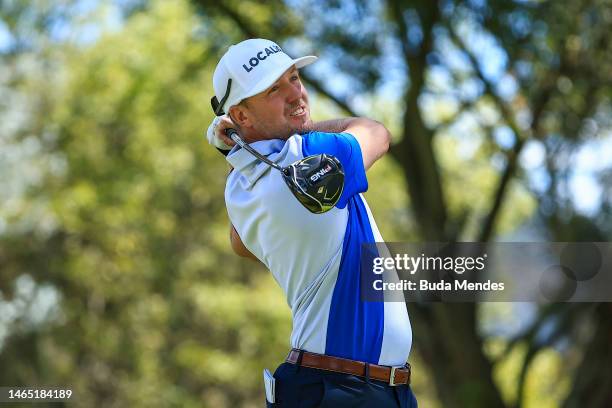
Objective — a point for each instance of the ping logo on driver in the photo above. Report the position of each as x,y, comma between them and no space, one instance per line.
320,173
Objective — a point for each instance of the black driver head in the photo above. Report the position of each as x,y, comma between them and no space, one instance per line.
316,181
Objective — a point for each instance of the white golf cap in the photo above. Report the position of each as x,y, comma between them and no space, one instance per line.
252,66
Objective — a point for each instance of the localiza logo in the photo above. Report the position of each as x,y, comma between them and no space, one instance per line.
320,173
253,61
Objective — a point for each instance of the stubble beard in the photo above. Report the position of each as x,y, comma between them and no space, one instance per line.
285,131
304,127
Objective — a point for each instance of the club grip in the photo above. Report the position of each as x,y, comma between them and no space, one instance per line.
235,136
230,131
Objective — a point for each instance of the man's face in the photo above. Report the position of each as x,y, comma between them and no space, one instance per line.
281,110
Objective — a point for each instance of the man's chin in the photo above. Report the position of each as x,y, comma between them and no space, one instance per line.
306,126
292,129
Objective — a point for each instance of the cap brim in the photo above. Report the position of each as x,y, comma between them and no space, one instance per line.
270,79
303,61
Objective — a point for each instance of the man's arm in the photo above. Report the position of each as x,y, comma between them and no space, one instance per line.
372,136
238,246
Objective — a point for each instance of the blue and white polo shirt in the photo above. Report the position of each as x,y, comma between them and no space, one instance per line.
315,258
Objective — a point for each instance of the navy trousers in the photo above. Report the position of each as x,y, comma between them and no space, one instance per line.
303,387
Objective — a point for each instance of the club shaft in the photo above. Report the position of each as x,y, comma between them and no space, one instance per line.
236,138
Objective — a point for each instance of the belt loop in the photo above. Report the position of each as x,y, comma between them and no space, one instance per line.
367,372
298,363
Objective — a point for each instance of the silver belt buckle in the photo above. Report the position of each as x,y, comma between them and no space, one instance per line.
392,378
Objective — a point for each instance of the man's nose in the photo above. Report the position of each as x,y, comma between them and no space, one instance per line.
294,93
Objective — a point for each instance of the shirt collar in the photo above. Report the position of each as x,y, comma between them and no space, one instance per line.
239,158
250,166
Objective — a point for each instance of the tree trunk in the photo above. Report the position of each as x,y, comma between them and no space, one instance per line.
592,385
449,344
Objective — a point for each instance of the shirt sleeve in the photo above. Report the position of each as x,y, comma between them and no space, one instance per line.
345,148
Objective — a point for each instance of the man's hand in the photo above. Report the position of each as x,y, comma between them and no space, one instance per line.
216,133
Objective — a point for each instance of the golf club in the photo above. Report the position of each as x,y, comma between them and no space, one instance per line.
316,181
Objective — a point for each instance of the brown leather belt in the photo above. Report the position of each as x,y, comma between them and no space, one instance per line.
391,375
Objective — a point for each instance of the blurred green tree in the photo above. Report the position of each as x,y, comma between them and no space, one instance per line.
123,225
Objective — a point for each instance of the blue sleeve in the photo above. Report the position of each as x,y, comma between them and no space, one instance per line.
345,148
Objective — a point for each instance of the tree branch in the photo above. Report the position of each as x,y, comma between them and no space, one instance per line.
521,136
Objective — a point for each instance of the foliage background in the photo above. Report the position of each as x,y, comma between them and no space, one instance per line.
116,274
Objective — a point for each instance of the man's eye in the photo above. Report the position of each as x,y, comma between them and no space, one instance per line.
274,88
295,77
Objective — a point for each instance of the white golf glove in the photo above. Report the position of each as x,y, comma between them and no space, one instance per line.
212,134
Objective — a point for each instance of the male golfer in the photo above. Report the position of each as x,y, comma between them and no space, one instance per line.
345,352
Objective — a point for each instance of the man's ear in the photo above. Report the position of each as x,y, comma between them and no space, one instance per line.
240,116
